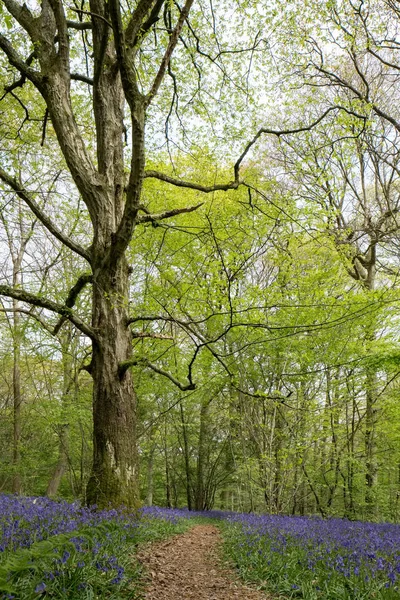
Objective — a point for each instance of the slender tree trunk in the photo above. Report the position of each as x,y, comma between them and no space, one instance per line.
167,474
17,423
17,417
69,384
370,422
187,459
277,491
370,459
62,462
201,456
150,481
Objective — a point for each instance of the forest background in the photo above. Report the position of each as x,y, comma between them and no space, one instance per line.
248,270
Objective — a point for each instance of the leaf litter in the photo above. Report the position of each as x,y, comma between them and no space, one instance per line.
189,567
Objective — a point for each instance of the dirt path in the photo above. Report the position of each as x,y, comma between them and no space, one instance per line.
187,567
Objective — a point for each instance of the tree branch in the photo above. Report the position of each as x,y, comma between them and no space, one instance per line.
135,24
72,296
280,132
22,14
63,310
91,14
21,81
43,218
159,318
62,28
156,336
79,77
224,187
173,40
153,18
233,185
29,313
79,25
123,47
124,366
17,61
167,214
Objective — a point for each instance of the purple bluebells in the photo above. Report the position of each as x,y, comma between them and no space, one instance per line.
62,549
24,521
357,557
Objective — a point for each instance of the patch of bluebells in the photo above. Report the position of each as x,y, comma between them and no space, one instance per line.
62,548
317,558
25,520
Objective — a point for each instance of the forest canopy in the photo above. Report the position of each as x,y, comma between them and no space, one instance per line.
200,254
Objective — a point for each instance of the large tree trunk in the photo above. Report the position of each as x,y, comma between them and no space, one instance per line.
114,474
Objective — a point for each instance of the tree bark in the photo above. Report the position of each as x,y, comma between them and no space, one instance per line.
187,458
69,384
17,423
115,467
201,456
150,480
62,462
167,470
370,450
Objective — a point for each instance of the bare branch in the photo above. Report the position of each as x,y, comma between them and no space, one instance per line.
29,313
124,366
21,81
79,77
63,310
280,132
17,61
224,187
91,14
233,185
173,40
72,296
43,218
158,318
156,336
79,25
167,214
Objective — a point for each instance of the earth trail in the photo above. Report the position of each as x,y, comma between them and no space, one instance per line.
188,567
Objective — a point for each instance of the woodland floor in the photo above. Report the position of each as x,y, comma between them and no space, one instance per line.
189,567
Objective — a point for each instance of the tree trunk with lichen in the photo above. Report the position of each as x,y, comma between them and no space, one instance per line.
114,474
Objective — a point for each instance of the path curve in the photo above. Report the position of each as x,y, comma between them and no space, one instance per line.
187,567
